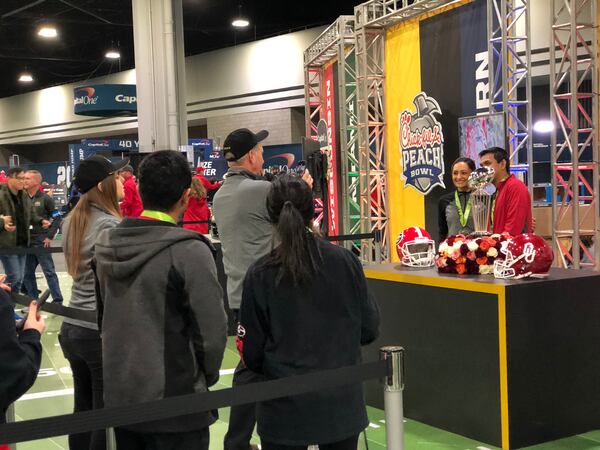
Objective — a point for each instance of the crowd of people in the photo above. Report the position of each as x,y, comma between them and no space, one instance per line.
161,326
138,254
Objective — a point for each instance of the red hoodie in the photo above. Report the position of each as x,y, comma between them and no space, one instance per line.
197,210
131,206
512,210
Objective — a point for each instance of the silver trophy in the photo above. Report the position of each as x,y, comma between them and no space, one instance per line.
482,192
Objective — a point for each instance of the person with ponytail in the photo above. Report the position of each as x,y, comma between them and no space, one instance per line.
306,308
97,209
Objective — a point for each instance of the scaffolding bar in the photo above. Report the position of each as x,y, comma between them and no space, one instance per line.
574,148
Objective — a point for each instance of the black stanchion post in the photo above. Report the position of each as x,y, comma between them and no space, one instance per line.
393,386
10,417
378,246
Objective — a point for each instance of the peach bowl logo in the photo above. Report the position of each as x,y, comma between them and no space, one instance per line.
422,145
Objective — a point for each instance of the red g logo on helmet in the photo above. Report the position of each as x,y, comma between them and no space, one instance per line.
416,248
526,255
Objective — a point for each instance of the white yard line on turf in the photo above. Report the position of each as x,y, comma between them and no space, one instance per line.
47,394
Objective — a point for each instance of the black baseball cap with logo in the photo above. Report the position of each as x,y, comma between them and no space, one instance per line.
240,142
93,170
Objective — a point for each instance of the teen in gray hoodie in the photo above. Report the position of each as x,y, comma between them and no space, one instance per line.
160,308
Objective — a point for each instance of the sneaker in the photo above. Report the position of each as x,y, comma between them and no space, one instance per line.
58,301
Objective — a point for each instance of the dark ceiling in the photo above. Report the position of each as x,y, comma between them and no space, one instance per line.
87,28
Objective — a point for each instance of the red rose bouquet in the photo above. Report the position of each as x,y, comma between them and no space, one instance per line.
469,254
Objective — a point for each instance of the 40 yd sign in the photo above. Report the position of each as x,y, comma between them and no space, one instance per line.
422,145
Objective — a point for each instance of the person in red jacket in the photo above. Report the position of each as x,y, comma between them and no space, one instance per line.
208,185
131,206
512,205
197,209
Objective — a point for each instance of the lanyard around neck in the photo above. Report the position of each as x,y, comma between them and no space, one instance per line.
462,216
158,215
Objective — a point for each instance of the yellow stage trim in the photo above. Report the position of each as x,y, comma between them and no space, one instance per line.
503,353
442,282
472,286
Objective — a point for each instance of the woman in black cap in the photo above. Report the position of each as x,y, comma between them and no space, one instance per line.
97,209
294,300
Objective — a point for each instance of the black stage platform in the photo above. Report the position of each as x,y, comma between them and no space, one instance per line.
510,363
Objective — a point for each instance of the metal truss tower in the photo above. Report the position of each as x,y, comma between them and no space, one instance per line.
370,52
509,63
371,21
337,43
574,109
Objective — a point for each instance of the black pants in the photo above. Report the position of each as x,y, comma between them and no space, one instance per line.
347,444
82,347
242,418
191,440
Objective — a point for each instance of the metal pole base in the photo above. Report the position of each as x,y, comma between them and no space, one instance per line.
393,385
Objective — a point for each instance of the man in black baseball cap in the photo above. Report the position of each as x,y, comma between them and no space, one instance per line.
93,170
240,142
242,200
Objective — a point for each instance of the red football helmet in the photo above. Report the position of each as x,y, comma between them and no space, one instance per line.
416,248
526,255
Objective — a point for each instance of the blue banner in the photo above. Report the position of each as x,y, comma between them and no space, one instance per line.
105,100
121,145
286,156
77,153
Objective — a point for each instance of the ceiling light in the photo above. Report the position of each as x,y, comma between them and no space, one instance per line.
112,54
25,77
240,21
543,126
47,32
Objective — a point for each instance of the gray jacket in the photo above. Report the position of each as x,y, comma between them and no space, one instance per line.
163,322
83,295
245,231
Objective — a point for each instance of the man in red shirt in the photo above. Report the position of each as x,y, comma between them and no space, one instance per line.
131,206
512,205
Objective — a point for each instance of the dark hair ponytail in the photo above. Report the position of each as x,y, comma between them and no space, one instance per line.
290,206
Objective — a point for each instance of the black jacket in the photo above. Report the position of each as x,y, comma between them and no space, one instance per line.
20,357
449,217
287,330
7,208
44,206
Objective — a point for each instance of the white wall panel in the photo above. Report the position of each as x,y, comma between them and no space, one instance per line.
257,76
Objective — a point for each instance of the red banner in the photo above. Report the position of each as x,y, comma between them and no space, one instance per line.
332,172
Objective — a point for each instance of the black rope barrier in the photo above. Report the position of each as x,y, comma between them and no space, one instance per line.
354,237
183,405
194,222
29,250
58,309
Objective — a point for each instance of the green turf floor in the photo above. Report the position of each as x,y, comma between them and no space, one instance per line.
52,395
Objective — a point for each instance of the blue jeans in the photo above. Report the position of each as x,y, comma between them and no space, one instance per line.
47,263
14,266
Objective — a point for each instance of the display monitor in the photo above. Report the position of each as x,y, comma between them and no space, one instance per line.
477,133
